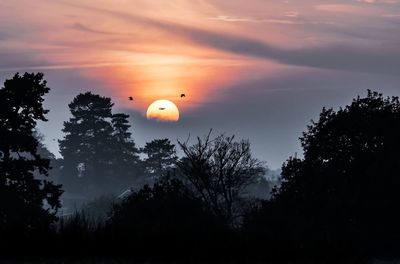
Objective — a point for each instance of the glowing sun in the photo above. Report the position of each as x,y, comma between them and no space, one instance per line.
163,110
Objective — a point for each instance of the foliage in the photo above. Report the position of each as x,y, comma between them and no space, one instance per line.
344,194
22,196
161,157
99,154
166,215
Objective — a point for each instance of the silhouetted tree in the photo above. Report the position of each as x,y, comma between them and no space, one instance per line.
97,150
161,157
85,145
164,217
344,193
220,170
44,152
22,197
125,160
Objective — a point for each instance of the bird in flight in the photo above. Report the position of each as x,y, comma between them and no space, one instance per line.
130,98
161,108
183,95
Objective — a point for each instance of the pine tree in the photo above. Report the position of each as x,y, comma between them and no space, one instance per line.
161,157
126,161
22,196
97,148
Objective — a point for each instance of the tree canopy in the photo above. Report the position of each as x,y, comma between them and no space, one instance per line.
345,189
161,157
22,196
99,155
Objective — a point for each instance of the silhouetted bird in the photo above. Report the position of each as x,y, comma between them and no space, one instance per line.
130,98
161,108
183,95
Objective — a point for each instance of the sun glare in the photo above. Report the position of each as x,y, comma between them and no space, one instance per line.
163,110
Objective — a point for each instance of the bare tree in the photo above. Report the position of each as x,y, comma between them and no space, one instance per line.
219,170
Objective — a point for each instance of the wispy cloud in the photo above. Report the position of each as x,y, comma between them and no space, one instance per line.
81,27
379,1
338,57
253,20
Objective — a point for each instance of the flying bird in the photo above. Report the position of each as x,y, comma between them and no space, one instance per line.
130,98
183,95
161,108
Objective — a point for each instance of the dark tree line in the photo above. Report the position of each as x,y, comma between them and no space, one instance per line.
343,195
339,200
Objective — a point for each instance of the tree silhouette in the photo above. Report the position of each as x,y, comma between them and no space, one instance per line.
84,145
163,219
125,158
96,148
161,157
344,193
22,196
220,170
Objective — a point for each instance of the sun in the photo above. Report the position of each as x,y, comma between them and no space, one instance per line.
163,110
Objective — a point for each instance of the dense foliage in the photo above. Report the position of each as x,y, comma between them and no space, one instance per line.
343,195
99,155
27,204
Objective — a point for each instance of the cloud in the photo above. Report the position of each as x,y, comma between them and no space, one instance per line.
81,27
379,1
253,20
337,57
345,8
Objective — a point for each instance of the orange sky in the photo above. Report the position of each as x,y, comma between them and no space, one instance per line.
151,49
258,68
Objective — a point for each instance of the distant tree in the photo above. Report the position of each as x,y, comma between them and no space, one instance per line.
260,189
44,152
220,170
161,157
42,149
125,160
96,148
164,217
84,147
22,197
344,194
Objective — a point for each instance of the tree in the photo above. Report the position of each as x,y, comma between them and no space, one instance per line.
96,147
220,170
125,158
44,152
344,193
22,197
164,218
161,157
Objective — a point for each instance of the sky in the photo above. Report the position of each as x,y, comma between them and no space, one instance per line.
258,69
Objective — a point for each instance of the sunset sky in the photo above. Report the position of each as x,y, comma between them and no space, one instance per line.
257,68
